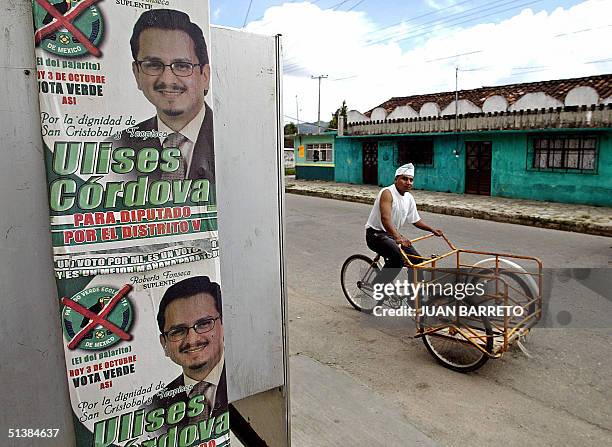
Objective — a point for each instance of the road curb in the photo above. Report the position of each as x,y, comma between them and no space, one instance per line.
520,219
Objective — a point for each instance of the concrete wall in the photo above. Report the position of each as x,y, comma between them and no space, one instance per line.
386,161
535,100
356,116
577,96
463,106
308,170
349,160
403,112
571,117
253,309
303,140
509,177
314,173
447,173
581,95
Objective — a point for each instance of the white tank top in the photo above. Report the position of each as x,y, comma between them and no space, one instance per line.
403,209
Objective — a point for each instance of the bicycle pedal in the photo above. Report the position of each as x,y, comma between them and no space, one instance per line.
394,302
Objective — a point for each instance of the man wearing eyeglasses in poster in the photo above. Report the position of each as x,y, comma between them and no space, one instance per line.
171,68
190,322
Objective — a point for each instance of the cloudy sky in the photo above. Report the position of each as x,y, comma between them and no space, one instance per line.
372,50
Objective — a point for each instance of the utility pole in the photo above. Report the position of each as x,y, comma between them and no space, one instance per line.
456,111
456,97
319,112
297,113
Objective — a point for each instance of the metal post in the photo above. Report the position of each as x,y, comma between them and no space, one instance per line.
319,108
456,111
297,114
456,98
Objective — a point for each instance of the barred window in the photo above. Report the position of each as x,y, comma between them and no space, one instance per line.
417,152
319,152
570,153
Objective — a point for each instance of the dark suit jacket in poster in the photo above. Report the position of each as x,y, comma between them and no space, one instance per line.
219,408
203,158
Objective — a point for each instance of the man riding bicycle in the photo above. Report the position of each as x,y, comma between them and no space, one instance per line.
392,208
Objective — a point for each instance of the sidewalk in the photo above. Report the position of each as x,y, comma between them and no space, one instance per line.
557,216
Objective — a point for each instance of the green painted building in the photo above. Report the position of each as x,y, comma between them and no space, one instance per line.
508,146
314,156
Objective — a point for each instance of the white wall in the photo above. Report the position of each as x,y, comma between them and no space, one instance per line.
248,152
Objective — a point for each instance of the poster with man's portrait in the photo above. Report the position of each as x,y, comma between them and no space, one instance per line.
127,124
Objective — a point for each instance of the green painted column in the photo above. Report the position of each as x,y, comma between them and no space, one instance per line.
386,162
349,160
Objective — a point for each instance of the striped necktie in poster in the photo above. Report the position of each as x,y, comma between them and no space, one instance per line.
201,388
175,140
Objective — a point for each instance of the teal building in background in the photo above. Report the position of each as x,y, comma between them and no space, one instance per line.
547,141
314,156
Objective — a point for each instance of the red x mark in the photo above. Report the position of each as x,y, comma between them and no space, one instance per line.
98,319
66,22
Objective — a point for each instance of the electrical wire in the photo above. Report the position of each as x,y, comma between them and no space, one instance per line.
411,19
422,30
454,55
246,17
355,5
333,8
309,124
414,18
425,30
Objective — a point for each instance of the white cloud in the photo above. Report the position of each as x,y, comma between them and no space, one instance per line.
216,14
365,71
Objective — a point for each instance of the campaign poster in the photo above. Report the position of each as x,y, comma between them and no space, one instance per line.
127,124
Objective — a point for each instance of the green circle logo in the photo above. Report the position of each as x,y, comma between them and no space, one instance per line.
96,318
68,28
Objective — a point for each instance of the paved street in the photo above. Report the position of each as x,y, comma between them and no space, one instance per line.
560,396
533,213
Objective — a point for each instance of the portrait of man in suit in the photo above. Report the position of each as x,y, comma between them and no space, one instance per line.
190,322
171,68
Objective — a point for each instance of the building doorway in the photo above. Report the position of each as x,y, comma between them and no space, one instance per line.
478,167
370,163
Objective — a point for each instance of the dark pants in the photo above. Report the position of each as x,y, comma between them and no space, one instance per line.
385,245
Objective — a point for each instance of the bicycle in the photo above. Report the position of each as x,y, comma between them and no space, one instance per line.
457,331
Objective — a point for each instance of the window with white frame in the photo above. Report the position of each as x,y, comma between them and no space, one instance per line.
319,152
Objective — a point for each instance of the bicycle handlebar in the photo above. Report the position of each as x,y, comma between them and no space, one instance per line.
427,236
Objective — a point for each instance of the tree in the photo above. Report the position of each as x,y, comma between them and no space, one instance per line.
290,129
341,111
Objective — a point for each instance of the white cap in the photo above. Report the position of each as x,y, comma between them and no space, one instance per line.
407,169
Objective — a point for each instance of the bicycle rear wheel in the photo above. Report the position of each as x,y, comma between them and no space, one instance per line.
520,292
356,277
450,344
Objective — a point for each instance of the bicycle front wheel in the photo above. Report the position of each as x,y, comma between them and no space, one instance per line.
451,341
356,277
